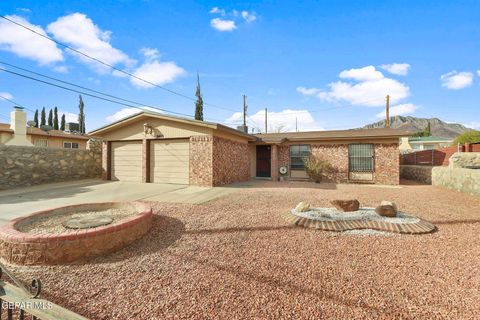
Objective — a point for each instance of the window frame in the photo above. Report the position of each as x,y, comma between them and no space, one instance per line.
44,143
65,143
365,156
293,159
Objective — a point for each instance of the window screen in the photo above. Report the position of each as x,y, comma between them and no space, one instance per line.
360,157
297,154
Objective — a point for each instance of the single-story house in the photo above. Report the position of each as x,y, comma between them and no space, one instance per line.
410,144
153,147
17,133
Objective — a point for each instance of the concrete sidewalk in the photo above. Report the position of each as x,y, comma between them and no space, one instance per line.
23,201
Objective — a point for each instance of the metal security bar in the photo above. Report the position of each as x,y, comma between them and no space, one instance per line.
360,157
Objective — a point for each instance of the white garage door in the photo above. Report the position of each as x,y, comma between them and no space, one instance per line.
127,161
169,161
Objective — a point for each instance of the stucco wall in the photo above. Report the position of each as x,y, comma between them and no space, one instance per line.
53,141
460,179
231,161
25,166
417,173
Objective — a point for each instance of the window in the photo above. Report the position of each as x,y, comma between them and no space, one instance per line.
360,157
41,143
70,145
297,154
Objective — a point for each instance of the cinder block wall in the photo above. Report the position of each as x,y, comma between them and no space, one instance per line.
25,166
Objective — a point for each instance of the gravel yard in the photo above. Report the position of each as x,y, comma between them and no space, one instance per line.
236,258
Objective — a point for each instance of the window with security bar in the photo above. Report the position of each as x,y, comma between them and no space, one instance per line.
360,157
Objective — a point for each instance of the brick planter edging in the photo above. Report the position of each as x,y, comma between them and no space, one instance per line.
55,248
420,227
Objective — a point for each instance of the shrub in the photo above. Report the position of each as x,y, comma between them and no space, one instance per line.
470,136
317,167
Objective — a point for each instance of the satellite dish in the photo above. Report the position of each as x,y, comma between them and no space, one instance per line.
46,128
32,123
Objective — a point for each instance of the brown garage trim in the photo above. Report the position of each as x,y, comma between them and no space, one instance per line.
146,160
109,160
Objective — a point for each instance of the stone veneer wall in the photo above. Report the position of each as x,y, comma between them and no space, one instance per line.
25,166
231,161
283,159
201,164
417,173
387,164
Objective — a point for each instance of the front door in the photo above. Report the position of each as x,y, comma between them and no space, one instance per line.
263,161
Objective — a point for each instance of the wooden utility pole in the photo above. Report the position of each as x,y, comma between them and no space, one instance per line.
387,113
244,111
266,120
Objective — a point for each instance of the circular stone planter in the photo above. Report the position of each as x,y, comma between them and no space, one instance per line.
74,244
364,218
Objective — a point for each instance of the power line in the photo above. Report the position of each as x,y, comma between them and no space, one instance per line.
15,103
111,66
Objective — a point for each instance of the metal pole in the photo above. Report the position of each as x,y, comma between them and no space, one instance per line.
387,112
244,110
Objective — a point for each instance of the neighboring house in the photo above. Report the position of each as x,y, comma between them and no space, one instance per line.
153,147
410,144
17,133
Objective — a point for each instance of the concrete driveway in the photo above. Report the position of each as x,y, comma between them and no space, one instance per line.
21,202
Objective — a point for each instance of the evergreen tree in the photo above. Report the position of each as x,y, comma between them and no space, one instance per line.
55,118
199,102
62,123
50,118
43,120
35,118
81,115
428,130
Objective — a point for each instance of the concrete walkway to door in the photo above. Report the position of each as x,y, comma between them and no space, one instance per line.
23,201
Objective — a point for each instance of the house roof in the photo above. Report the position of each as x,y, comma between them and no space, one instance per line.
142,114
352,134
5,127
429,139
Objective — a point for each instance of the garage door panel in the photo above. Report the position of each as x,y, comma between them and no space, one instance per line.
169,161
126,164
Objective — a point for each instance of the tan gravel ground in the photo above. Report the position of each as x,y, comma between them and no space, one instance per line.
237,258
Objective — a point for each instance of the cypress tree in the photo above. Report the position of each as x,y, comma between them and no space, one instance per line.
50,118
199,102
81,115
55,118
43,119
62,123
35,118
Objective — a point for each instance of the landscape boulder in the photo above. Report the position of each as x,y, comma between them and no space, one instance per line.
390,203
386,211
346,205
302,207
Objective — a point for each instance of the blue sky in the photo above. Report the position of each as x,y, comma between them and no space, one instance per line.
326,64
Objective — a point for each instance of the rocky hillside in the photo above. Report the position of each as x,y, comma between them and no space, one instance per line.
438,127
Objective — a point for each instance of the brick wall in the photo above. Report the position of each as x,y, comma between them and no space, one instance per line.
231,161
337,155
201,164
387,164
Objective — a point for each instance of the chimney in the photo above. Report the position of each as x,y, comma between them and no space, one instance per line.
18,123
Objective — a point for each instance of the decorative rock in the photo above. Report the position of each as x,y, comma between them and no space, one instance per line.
87,222
346,205
386,211
302,207
390,203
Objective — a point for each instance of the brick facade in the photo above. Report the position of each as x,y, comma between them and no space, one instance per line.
201,164
231,161
387,164
337,156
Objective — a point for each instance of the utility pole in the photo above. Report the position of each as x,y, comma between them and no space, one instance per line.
244,111
387,112
266,120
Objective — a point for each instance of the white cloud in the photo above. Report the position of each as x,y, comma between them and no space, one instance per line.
369,88
473,125
283,120
156,72
249,16
61,69
398,110
362,74
6,95
223,25
150,53
400,69
69,117
27,44
308,91
478,72
217,10
79,31
126,112
456,80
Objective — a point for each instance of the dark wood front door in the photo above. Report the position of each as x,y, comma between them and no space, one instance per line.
263,161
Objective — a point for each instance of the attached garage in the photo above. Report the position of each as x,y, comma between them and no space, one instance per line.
169,161
126,161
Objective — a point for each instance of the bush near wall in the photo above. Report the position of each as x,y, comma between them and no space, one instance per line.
26,166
